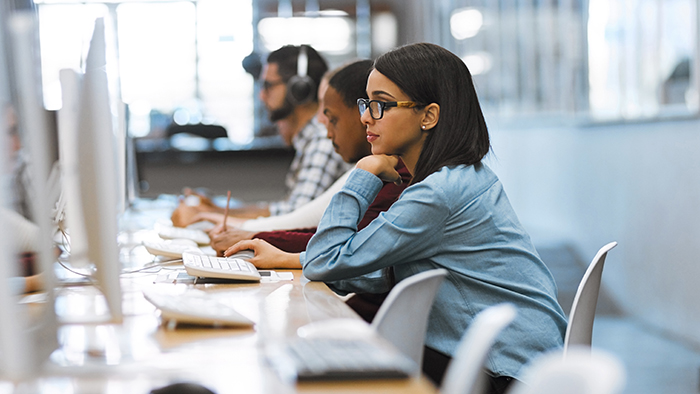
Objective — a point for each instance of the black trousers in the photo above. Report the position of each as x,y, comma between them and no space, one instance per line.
435,365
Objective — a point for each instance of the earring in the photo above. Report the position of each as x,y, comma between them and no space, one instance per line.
423,127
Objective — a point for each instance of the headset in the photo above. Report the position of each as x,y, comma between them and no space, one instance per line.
301,88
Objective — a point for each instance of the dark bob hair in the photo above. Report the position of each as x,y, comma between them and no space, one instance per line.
428,73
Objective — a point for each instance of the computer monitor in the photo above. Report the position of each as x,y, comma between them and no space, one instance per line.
27,340
89,141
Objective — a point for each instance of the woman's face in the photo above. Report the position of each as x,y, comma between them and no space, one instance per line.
398,132
344,127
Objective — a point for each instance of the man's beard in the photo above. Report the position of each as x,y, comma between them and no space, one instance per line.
280,113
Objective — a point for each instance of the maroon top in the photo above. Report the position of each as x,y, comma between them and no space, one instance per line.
295,241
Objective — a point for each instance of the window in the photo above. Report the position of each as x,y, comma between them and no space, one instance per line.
64,33
177,59
640,58
599,59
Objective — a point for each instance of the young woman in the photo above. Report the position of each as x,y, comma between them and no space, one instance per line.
347,133
455,215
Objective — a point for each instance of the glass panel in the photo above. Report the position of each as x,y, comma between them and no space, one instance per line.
64,33
597,59
640,56
157,54
678,40
336,36
225,37
178,60
190,66
526,56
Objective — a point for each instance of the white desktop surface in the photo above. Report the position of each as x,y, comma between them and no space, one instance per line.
141,354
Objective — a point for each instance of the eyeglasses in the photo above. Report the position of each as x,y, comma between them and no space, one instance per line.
267,85
376,107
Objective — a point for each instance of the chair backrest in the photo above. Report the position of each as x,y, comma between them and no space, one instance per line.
582,371
403,317
579,330
463,372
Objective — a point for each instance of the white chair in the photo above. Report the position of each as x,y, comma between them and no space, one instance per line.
463,375
582,371
579,330
403,317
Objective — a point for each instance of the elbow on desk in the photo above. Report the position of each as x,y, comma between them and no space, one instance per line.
321,268
319,272
312,275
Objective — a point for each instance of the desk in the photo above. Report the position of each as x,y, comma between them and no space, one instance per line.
140,354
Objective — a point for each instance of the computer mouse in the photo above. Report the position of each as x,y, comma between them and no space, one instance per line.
246,254
336,328
182,388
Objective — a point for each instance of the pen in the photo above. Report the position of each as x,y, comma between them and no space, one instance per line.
228,200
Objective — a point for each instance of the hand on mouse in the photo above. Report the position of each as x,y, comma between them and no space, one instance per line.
266,255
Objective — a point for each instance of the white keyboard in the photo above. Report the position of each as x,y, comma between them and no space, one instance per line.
196,308
233,267
170,232
171,248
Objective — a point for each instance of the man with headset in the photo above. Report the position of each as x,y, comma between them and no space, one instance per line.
290,80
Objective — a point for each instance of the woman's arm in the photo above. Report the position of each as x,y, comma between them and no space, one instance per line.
410,230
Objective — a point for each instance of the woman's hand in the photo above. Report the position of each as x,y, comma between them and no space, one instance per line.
266,255
383,166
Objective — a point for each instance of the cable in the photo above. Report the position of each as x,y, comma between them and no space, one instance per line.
154,265
65,246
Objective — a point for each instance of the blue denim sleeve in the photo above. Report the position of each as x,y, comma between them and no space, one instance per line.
351,260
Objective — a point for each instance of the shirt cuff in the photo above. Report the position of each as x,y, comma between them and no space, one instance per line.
363,183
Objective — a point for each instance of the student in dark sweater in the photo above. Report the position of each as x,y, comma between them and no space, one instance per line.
294,241
350,141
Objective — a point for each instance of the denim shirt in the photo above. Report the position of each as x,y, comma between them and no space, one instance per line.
460,219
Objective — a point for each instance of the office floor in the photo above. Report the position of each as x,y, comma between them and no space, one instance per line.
654,362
